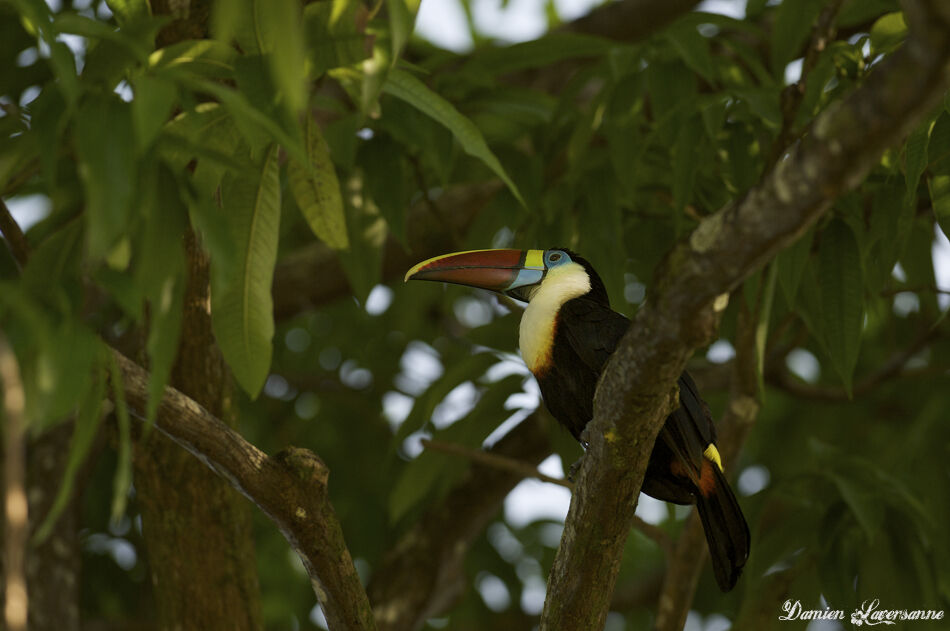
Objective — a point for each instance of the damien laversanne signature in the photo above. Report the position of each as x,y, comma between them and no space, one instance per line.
868,613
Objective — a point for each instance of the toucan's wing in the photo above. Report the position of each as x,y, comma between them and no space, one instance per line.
689,429
592,329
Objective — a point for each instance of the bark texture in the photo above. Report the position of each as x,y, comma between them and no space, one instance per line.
197,529
636,391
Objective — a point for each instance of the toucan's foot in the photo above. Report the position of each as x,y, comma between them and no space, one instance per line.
585,438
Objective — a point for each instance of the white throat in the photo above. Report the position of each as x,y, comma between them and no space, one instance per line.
536,334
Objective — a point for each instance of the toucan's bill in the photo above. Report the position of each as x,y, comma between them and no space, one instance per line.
504,271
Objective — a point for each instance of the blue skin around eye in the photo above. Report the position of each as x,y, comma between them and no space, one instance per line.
562,258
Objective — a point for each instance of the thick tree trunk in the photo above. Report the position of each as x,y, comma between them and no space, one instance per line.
52,568
196,527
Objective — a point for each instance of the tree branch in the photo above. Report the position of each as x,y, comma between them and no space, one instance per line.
422,574
631,20
290,488
525,470
496,461
781,378
636,391
690,553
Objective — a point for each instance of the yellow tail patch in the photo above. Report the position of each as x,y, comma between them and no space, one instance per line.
712,453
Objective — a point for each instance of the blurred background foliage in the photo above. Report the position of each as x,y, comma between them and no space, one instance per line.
330,140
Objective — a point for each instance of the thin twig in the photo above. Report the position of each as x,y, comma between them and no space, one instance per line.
17,528
916,289
657,534
495,461
822,33
15,238
891,369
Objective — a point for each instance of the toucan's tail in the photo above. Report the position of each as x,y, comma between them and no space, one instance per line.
727,533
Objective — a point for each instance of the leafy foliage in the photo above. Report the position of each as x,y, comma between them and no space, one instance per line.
615,149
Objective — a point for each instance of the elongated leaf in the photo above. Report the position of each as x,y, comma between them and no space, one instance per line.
940,198
791,264
387,178
402,18
543,51
693,48
205,57
161,275
98,30
762,326
282,41
242,308
151,107
317,190
337,37
685,165
84,432
127,11
252,122
406,87
915,157
842,297
888,32
432,472
793,22
105,144
123,469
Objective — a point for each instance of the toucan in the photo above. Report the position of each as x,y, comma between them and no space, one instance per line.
568,331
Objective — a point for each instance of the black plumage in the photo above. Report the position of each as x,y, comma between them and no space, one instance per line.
587,331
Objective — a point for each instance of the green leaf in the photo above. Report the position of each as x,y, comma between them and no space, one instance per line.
406,87
154,99
282,41
402,18
336,35
387,182
123,471
317,190
685,165
866,507
469,368
434,472
762,326
793,23
161,275
204,57
127,11
544,51
791,263
915,157
241,308
235,21
888,32
105,146
84,433
255,124
940,198
98,30
938,148
693,48
842,297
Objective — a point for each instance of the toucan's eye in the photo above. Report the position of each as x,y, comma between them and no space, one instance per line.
554,258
